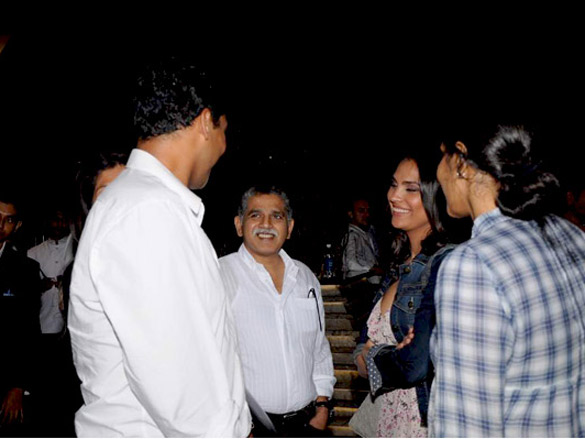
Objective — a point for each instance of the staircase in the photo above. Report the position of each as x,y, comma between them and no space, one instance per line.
350,389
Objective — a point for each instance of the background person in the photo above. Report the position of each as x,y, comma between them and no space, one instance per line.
508,346
359,245
19,324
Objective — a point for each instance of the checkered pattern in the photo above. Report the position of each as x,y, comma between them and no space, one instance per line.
509,345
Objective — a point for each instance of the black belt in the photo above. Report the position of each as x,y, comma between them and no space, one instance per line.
297,418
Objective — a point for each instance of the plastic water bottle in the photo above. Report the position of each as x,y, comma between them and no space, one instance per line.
328,268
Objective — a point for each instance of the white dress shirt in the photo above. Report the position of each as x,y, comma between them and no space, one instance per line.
53,258
152,335
285,353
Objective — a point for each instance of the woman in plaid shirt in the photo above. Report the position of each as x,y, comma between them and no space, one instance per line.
509,343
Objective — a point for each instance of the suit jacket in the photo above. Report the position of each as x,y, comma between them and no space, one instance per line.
19,319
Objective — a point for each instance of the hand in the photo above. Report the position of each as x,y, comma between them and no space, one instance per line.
361,359
48,283
407,339
319,421
369,344
361,366
11,409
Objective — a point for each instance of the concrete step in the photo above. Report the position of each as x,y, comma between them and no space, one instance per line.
342,358
342,332
330,291
355,396
342,431
341,343
339,323
335,307
343,414
350,379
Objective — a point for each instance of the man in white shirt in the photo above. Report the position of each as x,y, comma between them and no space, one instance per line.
153,339
54,255
280,319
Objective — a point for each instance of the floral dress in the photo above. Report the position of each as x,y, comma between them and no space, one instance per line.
400,416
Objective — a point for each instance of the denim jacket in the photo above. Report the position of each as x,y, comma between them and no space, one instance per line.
413,306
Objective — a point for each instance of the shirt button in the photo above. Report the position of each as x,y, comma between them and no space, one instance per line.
407,269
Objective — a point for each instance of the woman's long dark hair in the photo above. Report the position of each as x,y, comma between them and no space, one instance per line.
434,204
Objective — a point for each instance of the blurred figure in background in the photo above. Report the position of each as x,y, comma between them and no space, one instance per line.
54,255
19,325
359,245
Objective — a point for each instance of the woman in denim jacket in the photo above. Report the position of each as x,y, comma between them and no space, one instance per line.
417,207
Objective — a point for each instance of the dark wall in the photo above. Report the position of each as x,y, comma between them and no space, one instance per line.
321,117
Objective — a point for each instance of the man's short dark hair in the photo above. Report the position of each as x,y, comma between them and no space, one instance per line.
10,196
170,94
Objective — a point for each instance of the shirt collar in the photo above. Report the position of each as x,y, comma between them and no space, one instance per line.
486,221
357,229
253,264
60,242
146,162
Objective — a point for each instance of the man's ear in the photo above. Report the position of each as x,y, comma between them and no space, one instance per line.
291,225
18,224
203,123
238,225
206,122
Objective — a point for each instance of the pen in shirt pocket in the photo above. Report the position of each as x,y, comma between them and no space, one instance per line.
314,295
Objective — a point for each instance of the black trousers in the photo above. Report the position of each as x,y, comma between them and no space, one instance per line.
294,424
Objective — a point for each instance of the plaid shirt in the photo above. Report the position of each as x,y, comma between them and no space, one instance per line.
509,345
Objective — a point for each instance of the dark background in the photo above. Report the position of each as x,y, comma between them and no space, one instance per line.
324,114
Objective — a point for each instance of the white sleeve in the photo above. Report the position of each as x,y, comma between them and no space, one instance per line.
323,374
149,273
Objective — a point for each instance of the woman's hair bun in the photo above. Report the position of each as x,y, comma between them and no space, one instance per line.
526,190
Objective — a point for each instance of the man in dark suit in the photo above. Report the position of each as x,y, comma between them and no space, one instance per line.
19,323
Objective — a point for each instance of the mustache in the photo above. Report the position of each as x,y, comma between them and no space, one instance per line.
266,231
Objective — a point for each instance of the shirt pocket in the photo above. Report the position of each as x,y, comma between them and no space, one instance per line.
307,317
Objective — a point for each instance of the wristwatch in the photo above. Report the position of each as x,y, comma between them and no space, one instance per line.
329,404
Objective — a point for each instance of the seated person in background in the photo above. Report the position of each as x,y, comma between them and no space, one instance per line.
359,246
280,319
19,323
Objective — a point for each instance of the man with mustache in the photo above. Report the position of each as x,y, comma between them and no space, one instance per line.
278,309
